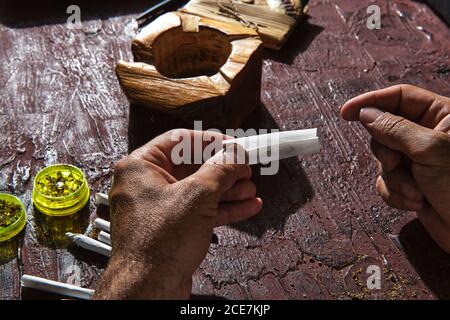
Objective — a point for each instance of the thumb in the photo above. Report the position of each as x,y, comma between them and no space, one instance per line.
420,144
221,171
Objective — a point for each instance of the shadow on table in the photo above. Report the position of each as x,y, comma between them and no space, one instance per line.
145,124
300,39
23,14
430,261
9,249
51,230
282,193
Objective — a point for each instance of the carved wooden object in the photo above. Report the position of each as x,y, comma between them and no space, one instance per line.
195,68
274,20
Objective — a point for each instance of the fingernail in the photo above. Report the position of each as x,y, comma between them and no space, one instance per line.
411,193
368,115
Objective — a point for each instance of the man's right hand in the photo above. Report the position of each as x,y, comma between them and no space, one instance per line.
163,214
410,130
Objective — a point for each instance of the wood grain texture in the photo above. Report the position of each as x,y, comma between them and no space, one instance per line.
322,223
273,26
59,102
187,67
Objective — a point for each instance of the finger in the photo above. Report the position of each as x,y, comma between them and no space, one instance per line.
400,181
233,212
434,183
241,190
420,144
437,228
437,116
220,172
444,124
388,158
396,200
194,138
188,144
407,101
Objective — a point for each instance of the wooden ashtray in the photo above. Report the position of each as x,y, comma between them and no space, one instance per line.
195,69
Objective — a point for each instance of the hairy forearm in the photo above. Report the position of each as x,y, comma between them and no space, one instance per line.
128,279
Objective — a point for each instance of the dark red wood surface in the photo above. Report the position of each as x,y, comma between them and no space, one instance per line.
322,223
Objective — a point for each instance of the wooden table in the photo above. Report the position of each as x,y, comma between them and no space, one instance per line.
322,223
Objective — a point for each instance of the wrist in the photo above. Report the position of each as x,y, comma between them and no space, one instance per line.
126,278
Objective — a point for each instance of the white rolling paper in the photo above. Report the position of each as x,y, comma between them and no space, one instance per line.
275,146
65,289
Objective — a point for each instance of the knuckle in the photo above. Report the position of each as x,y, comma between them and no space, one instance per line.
434,147
121,166
198,193
224,170
120,194
195,186
441,145
407,87
120,198
390,124
178,132
420,151
126,167
445,105
194,182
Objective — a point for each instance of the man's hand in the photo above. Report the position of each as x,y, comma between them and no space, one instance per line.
410,130
162,217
